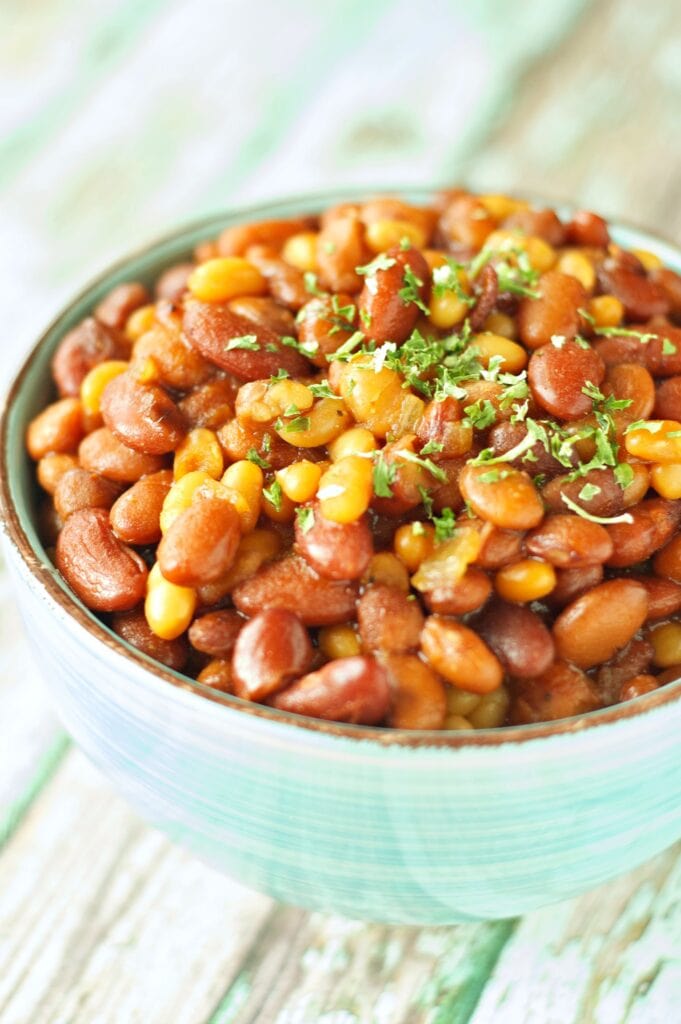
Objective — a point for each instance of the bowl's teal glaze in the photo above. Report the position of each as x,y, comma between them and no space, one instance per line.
375,824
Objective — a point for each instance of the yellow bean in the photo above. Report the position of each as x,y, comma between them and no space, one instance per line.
577,264
96,380
225,277
387,569
384,234
461,702
140,321
414,542
199,450
168,609
514,356
346,489
245,480
323,423
666,641
655,441
356,441
525,580
501,323
650,260
183,492
500,206
667,480
492,709
607,310
300,480
339,641
300,250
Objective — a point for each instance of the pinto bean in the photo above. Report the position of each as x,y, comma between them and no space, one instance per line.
571,583
587,229
654,522
115,308
135,516
211,328
539,223
106,575
570,542
79,488
631,660
504,497
385,314
442,424
670,283
469,594
291,583
409,480
561,692
448,494
355,690
641,297
554,313
337,551
142,416
58,428
518,637
133,627
84,347
102,452
286,283
52,467
201,543
265,311
271,650
419,695
499,548
340,248
460,655
557,376
388,620
215,633
598,623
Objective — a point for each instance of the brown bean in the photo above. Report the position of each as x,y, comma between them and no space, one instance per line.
587,229
324,323
641,297
569,542
106,575
355,690
215,633
52,467
176,363
135,516
634,384
271,650
540,223
499,548
263,310
103,453
218,675
385,314
133,627
506,435
465,221
235,240
79,488
211,328
668,399
664,596
571,583
554,313
391,208
469,594
637,687
237,439
172,284
58,428
341,248
408,481
560,692
667,562
82,348
292,583
209,405
670,283
558,375
654,522
460,655
598,623
448,494
142,416
631,660
487,292
518,637
201,543
115,308
388,620
608,501
504,497
419,695
337,551
442,424
285,282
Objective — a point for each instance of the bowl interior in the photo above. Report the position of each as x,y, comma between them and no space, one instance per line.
33,389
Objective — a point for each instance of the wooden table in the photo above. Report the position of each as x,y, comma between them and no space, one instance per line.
125,118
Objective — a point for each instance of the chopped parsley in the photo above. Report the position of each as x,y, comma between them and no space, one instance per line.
312,284
430,447
274,495
305,518
347,349
306,348
380,262
426,464
342,317
481,414
447,279
445,525
624,518
322,390
383,476
588,492
515,273
281,374
624,332
253,456
410,292
246,341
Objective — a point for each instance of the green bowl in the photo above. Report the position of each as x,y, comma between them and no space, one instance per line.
387,825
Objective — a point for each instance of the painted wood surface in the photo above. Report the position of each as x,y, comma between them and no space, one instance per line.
121,119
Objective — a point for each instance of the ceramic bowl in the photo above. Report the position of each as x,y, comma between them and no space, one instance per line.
377,824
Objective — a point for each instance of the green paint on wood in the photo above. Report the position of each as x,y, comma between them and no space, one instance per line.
47,764
232,1001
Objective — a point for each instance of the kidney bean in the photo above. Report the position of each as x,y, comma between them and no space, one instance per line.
634,383
324,323
209,405
631,660
601,621
355,690
504,496
538,223
670,283
557,376
654,522
102,452
637,687
460,655
292,583
263,310
341,248
560,692
667,399
442,424
106,575
571,583
79,488
587,229
135,515
419,695
142,416
388,620
664,596
384,313
337,551
569,542
465,221
467,595
487,292
667,562
236,239
176,363
447,494
215,633
133,627
82,348
58,428
660,353
641,297
408,482
499,548
285,282
201,543
554,313
271,650
124,299
608,501
518,637
211,327
505,436
172,284
52,467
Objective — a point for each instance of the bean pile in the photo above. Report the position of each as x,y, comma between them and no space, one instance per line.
414,467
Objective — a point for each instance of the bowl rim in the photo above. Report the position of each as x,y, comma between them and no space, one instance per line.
43,572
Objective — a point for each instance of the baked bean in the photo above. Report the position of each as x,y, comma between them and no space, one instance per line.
175,364
631,660
133,627
604,497
558,375
201,543
540,223
460,655
637,687
136,515
442,424
58,428
653,524
601,621
106,575
667,562
641,297
388,620
632,383
385,314
142,416
555,313
525,580
355,690
487,292
588,229
115,308
82,348
667,400
236,239
504,496
247,350
291,583
102,452
499,548
324,324
209,405
218,675
52,467
215,633
670,283
570,542
337,551
518,637
571,583
466,222
271,650
664,595
468,595
561,692
79,488
286,283
506,435
341,248
419,697
172,283
265,311
255,549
